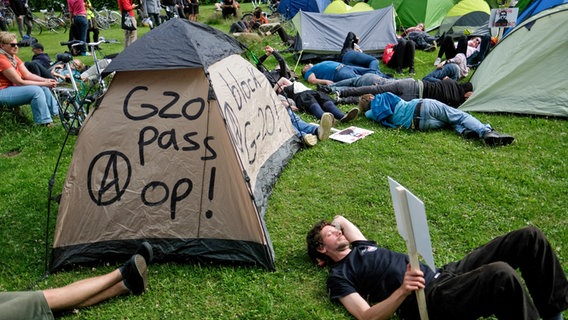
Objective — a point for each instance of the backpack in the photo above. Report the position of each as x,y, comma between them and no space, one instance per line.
27,41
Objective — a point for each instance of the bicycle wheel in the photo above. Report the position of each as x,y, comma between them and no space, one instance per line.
36,28
102,21
57,25
247,19
71,114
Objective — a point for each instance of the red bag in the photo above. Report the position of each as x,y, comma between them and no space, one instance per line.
389,51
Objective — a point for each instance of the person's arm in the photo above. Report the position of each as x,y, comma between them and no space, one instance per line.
350,231
27,78
360,309
313,80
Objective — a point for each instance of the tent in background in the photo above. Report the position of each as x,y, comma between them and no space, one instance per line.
289,8
338,6
412,12
182,152
526,71
465,17
324,34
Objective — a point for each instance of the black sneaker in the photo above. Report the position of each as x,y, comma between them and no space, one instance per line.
494,138
470,134
135,274
352,114
324,88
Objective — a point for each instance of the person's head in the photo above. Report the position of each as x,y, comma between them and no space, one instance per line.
503,14
37,48
420,26
475,42
314,241
467,89
257,12
365,102
9,42
306,68
78,65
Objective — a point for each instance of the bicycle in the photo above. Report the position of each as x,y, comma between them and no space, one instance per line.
75,100
106,17
49,22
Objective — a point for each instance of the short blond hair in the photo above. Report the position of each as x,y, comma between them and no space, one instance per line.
7,37
365,102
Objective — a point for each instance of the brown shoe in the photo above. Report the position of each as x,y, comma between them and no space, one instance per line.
352,114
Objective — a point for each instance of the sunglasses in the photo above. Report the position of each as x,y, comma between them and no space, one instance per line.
13,45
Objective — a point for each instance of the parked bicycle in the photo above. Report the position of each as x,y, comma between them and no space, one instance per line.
106,18
79,95
49,22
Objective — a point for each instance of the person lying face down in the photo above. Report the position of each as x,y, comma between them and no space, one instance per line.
428,114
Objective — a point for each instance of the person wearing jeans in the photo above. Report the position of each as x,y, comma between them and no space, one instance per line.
79,23
428,114
18,86
129,35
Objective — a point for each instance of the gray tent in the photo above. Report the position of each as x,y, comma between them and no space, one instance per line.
325,33
526,72
183,151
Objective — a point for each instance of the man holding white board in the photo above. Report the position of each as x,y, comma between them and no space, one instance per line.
376,283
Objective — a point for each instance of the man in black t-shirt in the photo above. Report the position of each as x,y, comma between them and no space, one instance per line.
375,283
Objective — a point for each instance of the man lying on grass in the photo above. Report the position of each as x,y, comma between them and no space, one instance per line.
375,283
428,114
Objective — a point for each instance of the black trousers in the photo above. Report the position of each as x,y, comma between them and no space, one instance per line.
486,281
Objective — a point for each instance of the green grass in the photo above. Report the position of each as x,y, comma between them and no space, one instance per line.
472,193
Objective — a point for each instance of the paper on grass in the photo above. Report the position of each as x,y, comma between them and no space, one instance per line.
351,134
418,222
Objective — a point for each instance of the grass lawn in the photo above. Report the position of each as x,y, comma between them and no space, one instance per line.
472,193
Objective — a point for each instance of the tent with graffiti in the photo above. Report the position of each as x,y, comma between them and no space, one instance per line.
182,152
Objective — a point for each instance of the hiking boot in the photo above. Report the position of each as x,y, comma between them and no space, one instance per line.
310,140
135,274
469,134
494,138
324,128
145,250
347,100
352,114
324,88
438,61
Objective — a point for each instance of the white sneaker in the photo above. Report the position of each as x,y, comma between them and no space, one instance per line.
438,61
310,140
325,126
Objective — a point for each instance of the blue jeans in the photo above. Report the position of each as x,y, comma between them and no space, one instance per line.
369,79
360,59
449,70
40,98
347,72
436,115
300,126
81,27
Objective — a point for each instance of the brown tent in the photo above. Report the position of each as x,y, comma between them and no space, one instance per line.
182,156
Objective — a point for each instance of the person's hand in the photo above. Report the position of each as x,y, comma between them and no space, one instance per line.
440,65
268,50
51,83
413,280
294,108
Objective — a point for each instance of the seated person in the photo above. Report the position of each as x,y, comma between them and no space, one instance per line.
314,102
258,18
447,91
428,114
455,68
18,86
328,72
41,62
132,277
229,8
400,56
309,133
61,74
